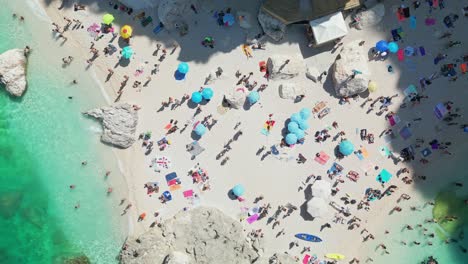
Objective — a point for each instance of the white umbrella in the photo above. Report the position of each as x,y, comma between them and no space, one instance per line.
322,189
317,207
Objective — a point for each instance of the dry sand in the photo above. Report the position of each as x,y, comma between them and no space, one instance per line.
277,180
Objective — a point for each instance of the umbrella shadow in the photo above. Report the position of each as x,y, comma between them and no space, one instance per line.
179,76
304,214
122,63
123,42
191,104
284,130
195,136
247,105
308,192
231,195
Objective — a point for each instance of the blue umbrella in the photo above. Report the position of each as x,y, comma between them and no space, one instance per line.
305,113
183,68
253,97
393,47
127,52
197,97
228,20
291,139
346,147
299,134
382,46
207,93
303,124
296,117
200,129
292,127
238,190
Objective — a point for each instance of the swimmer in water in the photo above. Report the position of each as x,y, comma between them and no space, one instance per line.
72,186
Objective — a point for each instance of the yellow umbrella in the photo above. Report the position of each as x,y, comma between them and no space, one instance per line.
126,31
107,19
372,86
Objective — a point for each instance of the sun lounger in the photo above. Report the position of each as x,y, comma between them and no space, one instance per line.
352,175
323,113
158,28
318,107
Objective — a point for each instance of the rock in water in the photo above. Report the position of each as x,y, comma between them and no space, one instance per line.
272,26
119,124
352,58
290,91
204,235
283,67
13,71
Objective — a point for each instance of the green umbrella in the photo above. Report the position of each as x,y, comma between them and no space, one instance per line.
127,52
107,19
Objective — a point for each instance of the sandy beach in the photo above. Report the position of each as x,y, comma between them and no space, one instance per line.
280,181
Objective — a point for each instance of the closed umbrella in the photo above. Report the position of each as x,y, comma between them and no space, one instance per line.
382,46
207,93
317,207
291,139
321,189
228,20
238,190
253,97
127,52
126,31
393,47
346,147
305,113
183,67
200,129
299,134
197,97
372,86
107,19
292,127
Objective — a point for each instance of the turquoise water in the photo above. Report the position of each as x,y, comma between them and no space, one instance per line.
43,140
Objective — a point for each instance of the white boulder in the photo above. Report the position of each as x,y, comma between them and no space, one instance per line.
236,98
312,73
352,58
290,91
177,257
119,124
283,67
13,71
372,16
271,25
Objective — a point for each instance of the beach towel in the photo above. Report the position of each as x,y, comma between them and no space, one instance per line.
306,258
410,92
188,193
422,50
262,66
252,218
435,3
175,187
264,131
334,168
400,15
171,176
384,176
158,28
359,155
322,158
430,21
168,126
413,22
173,182
401,55
364,152
463,68
405,133
394,119
426,152
384,151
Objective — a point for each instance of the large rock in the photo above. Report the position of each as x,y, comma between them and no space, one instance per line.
236,98
290,91
280,69
177,257
312,73
353,57
172,12
119,123
271,25
13,71
204,235
372,16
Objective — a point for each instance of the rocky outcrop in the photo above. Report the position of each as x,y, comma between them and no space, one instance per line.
283,67
271,25
372,16
13,71
312,73
236,98
352,58
119,124
174,12
290,91
200,235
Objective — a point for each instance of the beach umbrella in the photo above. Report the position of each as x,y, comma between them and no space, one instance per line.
293,126
238,190
253,97
372,86
197,97
317,207
346,147
200,129
228,20
303,124
207,93
382,46
291,139
299,133
183,67
126,31
321,189
393,47
127,52
108,19
305,113
296,117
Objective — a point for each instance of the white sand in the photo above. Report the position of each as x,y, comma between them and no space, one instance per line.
276,180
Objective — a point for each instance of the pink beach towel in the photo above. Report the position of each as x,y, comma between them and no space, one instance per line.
306,258
252,218
188,193
322,158
401,55
435,3
430,21
394,119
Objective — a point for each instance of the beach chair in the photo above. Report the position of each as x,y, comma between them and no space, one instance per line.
324,112
158,28
147,20
318,107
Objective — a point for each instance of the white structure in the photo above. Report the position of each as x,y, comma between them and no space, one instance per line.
328,28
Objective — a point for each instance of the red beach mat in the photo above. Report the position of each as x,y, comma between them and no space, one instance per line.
262,66
401,55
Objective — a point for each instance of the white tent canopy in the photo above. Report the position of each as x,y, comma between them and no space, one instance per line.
328,28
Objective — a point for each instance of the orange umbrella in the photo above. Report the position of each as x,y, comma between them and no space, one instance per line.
126,31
